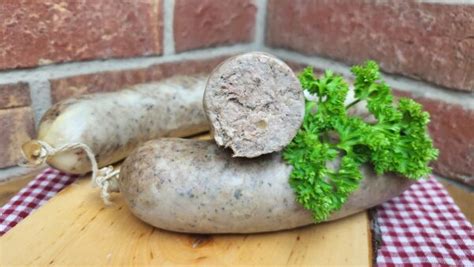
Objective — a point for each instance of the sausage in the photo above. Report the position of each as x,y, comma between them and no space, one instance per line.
112,124
194,186
255,104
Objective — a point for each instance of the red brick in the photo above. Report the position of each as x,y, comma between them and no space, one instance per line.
42,32
189,67
17,127
14,95
204,23
115,80
299,67
451,127
99,82
433,42
295,66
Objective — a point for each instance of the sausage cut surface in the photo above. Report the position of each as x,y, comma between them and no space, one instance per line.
255,104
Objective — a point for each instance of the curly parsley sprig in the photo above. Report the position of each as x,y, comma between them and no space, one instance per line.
398,142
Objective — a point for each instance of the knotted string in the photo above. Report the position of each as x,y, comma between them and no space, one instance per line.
106,178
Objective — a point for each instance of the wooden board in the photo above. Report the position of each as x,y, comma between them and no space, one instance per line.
75,228
10,188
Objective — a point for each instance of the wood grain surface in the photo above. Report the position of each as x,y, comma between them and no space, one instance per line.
75,228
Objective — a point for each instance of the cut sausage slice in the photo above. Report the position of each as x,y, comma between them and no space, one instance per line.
255,104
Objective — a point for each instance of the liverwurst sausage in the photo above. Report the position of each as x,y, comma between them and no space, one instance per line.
195,186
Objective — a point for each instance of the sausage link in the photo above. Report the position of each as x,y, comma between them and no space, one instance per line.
112,124
196,187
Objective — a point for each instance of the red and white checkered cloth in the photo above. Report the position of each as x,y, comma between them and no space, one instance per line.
421,227
424,227
45,186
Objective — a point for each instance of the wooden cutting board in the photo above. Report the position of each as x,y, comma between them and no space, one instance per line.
75,228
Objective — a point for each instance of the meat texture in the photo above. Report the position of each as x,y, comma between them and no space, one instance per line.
255,104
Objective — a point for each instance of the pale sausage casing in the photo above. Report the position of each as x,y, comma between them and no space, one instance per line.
112,124
196,187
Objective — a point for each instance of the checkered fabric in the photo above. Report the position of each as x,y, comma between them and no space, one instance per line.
32,196
421,227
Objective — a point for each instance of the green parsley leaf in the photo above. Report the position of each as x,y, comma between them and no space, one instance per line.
397,142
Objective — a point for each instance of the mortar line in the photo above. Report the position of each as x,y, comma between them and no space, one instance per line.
40,92
168,32
47,72
260,23
448,2
40,88
418,88
94,66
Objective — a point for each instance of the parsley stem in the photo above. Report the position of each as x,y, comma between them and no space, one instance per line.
353,103
326,138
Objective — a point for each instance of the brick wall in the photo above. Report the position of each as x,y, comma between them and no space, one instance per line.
56,49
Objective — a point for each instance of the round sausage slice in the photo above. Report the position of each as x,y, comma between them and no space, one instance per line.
197,187
255,104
